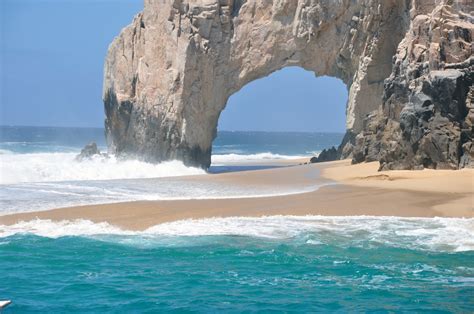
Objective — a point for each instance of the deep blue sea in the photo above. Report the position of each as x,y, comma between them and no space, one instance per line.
26,139
268,264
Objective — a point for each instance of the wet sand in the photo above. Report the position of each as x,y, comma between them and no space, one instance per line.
345,190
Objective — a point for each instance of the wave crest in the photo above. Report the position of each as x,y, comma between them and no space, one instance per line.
51,167
433,234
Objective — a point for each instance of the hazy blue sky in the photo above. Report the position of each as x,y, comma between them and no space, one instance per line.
52,54
291,99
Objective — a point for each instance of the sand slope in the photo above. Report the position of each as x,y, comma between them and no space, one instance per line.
361,191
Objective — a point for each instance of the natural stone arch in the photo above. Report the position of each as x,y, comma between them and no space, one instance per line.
288,100
169,74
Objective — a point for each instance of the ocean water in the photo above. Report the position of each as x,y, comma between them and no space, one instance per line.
282,263
237,264
38,170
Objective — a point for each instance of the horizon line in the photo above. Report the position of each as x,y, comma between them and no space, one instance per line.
103,128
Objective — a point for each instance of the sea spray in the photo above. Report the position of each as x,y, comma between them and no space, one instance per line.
38,170
51,167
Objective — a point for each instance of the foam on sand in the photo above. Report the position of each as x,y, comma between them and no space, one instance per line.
219,159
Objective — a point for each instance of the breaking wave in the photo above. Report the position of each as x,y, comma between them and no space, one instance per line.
51,167
432,234
60,166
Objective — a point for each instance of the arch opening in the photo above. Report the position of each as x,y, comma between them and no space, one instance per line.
290,113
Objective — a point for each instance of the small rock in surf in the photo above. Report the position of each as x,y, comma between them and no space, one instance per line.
89,151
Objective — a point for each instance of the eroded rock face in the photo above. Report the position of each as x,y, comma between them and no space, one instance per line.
329,154
169,74
427,114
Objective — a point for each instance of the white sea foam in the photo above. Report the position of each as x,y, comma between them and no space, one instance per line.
27,197
5,152
56,229
42,181
49,167
436,234
233,158
54,167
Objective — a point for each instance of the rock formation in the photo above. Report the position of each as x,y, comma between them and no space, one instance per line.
329,154
169,74
427,114
89,152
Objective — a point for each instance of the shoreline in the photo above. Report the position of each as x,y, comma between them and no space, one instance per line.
360,190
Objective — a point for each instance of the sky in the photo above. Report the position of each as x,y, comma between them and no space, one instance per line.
291,99
51,70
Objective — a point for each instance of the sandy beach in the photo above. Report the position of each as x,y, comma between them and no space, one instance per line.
345,190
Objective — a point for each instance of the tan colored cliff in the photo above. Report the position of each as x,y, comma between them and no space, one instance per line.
169,74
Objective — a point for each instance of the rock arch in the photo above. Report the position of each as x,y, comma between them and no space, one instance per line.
291,99
169,74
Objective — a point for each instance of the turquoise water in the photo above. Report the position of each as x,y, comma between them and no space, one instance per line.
281,263
268,264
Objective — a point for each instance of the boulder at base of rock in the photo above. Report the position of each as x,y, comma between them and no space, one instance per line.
326,155
88,152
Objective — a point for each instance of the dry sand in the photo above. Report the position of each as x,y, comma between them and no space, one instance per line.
361,190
